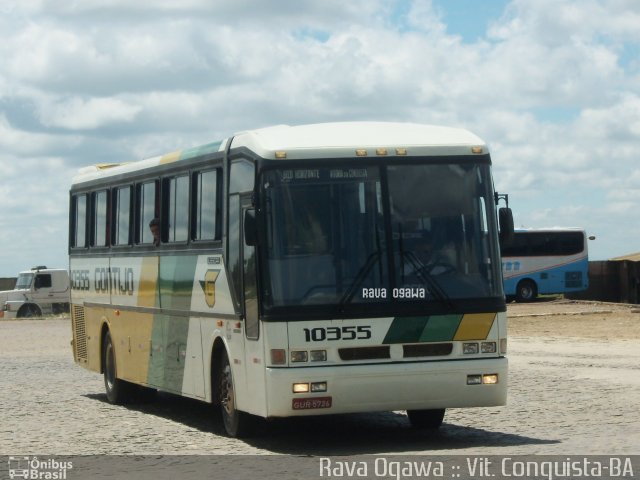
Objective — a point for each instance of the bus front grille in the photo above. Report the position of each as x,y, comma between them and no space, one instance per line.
427,350
80,334
364,353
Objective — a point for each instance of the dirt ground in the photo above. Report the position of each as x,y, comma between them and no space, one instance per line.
574,318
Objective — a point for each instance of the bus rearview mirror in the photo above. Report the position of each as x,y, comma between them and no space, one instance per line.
505,220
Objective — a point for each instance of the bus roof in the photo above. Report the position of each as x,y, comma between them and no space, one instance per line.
323,140
342,139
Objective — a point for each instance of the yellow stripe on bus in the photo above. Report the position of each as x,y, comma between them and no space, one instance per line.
148,288
475,326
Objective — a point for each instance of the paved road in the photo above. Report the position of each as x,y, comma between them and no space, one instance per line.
567,396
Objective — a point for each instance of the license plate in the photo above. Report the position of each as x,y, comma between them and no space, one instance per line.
311,403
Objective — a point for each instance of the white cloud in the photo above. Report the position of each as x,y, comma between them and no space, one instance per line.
87,114
109,80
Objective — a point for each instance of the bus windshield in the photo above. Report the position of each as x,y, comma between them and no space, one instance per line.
372,235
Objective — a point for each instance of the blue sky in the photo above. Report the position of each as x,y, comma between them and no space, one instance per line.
553,86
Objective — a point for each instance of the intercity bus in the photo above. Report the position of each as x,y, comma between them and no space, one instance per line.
290,271
545,261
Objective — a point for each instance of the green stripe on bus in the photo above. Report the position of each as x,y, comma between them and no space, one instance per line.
176,281
170,333
405,330
435,328
441,328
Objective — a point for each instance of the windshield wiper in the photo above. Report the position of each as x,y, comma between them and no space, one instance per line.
420,270
362,274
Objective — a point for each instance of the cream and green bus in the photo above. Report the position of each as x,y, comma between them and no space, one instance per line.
290,271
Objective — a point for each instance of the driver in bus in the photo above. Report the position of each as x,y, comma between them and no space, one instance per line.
431,260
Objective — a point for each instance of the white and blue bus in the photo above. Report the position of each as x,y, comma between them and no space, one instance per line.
287,271
545,261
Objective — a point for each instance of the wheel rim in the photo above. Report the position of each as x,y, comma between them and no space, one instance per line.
109,367
526,291
226,390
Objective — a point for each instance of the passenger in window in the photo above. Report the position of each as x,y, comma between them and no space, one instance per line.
154,226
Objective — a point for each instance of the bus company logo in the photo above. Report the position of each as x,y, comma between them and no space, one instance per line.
34,468
209,286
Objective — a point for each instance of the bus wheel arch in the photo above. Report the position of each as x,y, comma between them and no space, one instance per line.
526,290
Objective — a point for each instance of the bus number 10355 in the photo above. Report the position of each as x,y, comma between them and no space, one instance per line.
320,334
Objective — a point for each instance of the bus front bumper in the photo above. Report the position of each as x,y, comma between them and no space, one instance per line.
385,387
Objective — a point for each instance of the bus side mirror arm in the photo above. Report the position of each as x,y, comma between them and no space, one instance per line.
505,220
250,229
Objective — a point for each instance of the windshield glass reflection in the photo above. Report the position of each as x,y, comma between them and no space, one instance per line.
342,236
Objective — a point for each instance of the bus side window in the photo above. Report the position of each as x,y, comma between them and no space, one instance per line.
147,210
205,208
175,196
79,221
99,220
122,216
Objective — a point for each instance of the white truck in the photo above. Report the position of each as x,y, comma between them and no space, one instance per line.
39,291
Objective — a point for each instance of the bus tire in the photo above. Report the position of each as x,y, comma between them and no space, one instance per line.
29,310
118,391
237,424
426,419
526,291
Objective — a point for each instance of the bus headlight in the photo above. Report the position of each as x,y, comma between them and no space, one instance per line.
490,379
318,355
300,388
319,387
298,356
488,347
474,379
469,348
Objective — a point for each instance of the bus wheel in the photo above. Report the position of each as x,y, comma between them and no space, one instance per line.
236,423
29,310
526,291
431,419
118,391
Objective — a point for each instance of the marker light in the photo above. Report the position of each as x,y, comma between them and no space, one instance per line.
503,346
401,151
278,356
361,152
299,356
319,387
476,149
381,151
318,355
469,348
281,155
490,379
488,347
300,388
